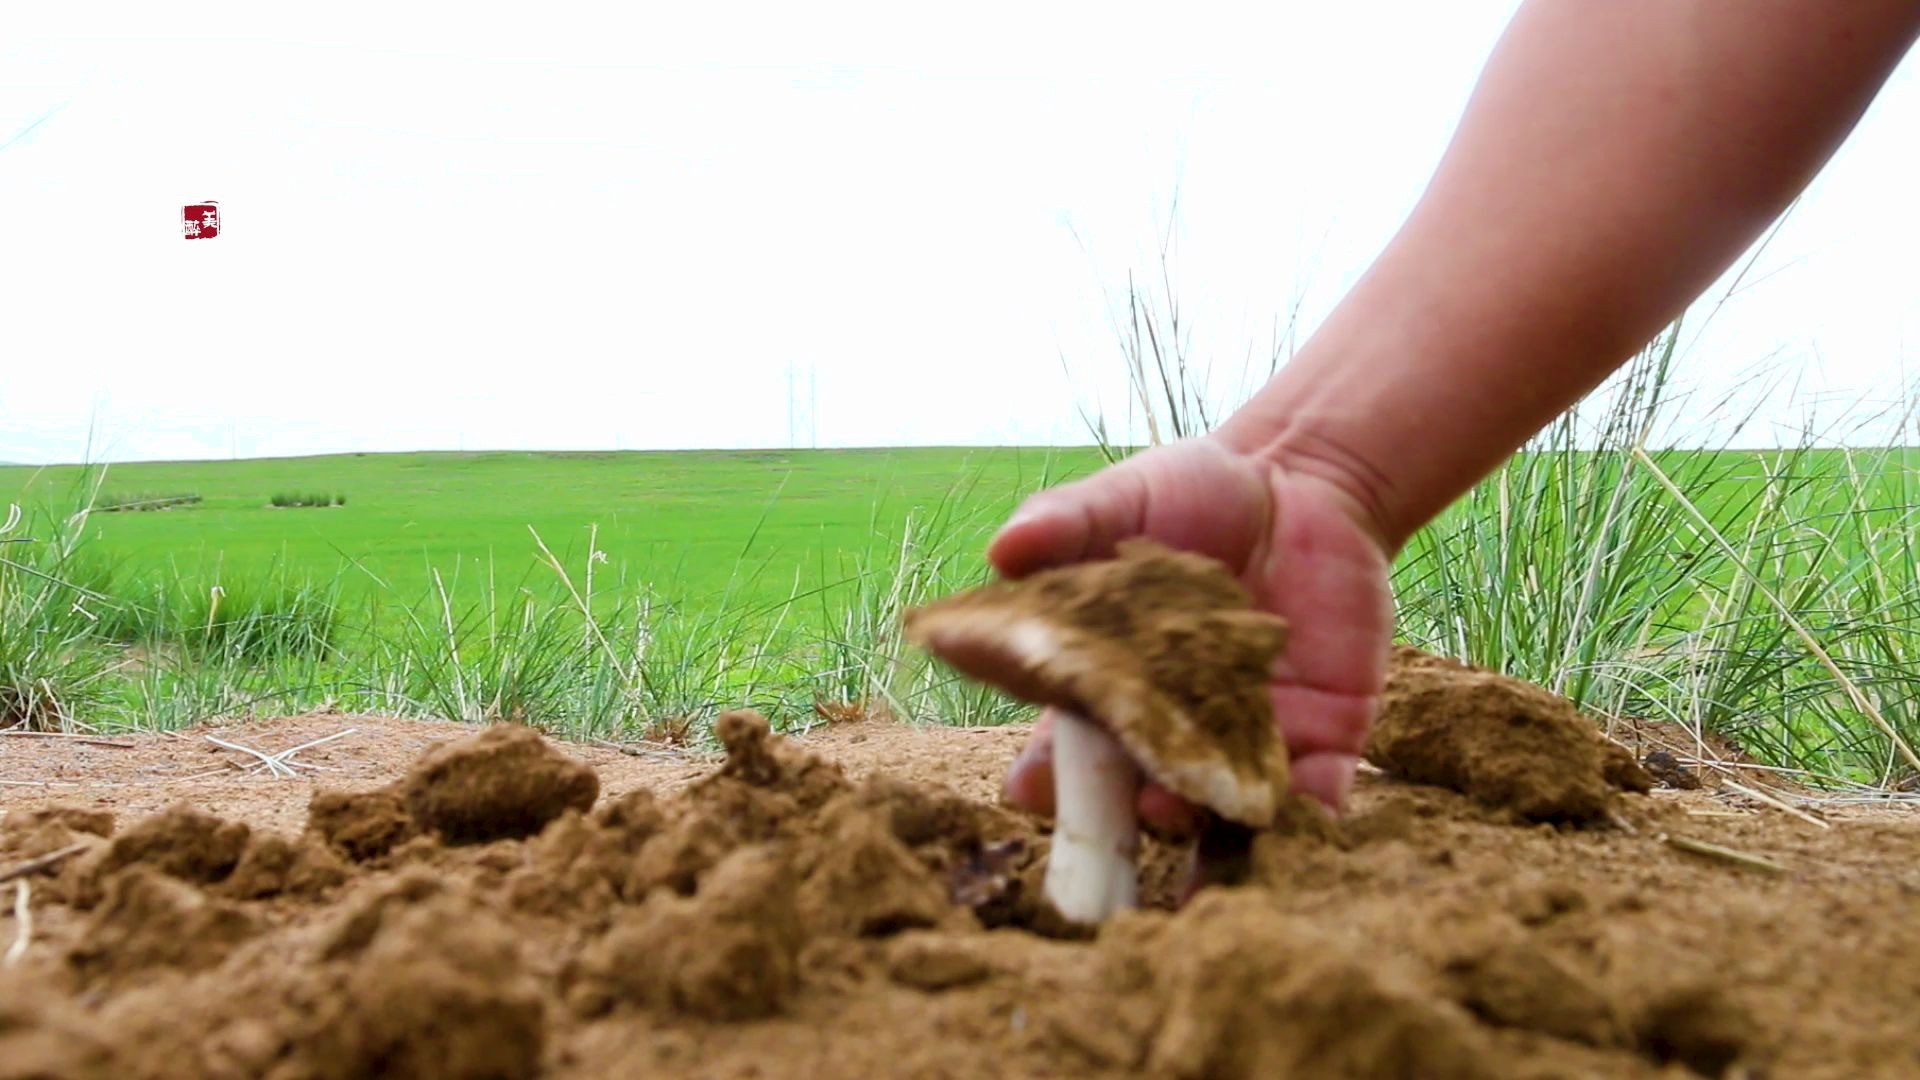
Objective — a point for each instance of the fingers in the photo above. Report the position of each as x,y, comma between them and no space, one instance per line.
1029,783
1194,496
1325,732
1070,522
1167,815
1326,777
1315,721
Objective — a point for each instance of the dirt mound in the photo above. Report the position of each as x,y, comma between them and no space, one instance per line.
1508,744
361,825
276,865
182,842
440,985
505,782
779,915
147,920
1254,992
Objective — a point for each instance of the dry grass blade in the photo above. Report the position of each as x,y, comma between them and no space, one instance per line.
88,740
285,757
282,763
45,783
654,750
273,764
1772,800
45,862
1854,694
1725,854
23,917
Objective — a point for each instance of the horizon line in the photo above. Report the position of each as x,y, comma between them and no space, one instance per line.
874,448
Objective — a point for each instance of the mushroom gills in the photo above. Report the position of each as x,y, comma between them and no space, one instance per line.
1096,836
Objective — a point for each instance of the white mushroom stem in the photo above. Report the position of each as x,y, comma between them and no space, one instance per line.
1096,835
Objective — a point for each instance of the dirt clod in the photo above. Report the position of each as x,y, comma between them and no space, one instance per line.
1698,1027
150,921
936,962
442,990
1666,769
363,825
30,834
505,782
1255,993
861,881
1508,744
276,865
181,841
760,761
726,953
1518,984
48,1039
74,820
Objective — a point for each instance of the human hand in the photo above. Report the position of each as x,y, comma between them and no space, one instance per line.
1301,544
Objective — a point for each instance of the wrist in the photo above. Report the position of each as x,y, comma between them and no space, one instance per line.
1300,448
1402,401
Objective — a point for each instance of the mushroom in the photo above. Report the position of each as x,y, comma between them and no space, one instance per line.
1157,666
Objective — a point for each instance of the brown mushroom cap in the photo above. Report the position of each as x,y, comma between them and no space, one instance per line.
1163,648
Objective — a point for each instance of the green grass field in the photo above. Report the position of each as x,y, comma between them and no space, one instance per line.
670,585
749,527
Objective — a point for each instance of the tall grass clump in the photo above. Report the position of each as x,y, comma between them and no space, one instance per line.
51,663
1763,596
1171,391
260,617
862,662
294,500
513,656
124,502
567,651
1767,597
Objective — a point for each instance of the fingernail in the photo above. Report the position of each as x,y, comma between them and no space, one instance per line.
1030,511
1019,518
1342,787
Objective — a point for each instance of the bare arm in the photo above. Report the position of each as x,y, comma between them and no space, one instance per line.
1616,158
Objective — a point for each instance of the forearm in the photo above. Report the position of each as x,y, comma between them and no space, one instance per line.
1615,158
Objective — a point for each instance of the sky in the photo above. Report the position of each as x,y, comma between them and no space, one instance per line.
619,226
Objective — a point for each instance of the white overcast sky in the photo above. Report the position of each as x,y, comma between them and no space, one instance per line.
623,225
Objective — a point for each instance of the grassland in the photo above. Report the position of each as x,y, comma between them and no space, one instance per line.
598,593
690,525
1770,597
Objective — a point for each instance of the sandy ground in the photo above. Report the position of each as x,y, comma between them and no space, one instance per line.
1513,898
138,775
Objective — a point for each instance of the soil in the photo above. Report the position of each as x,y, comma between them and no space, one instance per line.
1508,744
432,901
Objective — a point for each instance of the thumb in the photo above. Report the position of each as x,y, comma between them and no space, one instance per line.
1075,521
